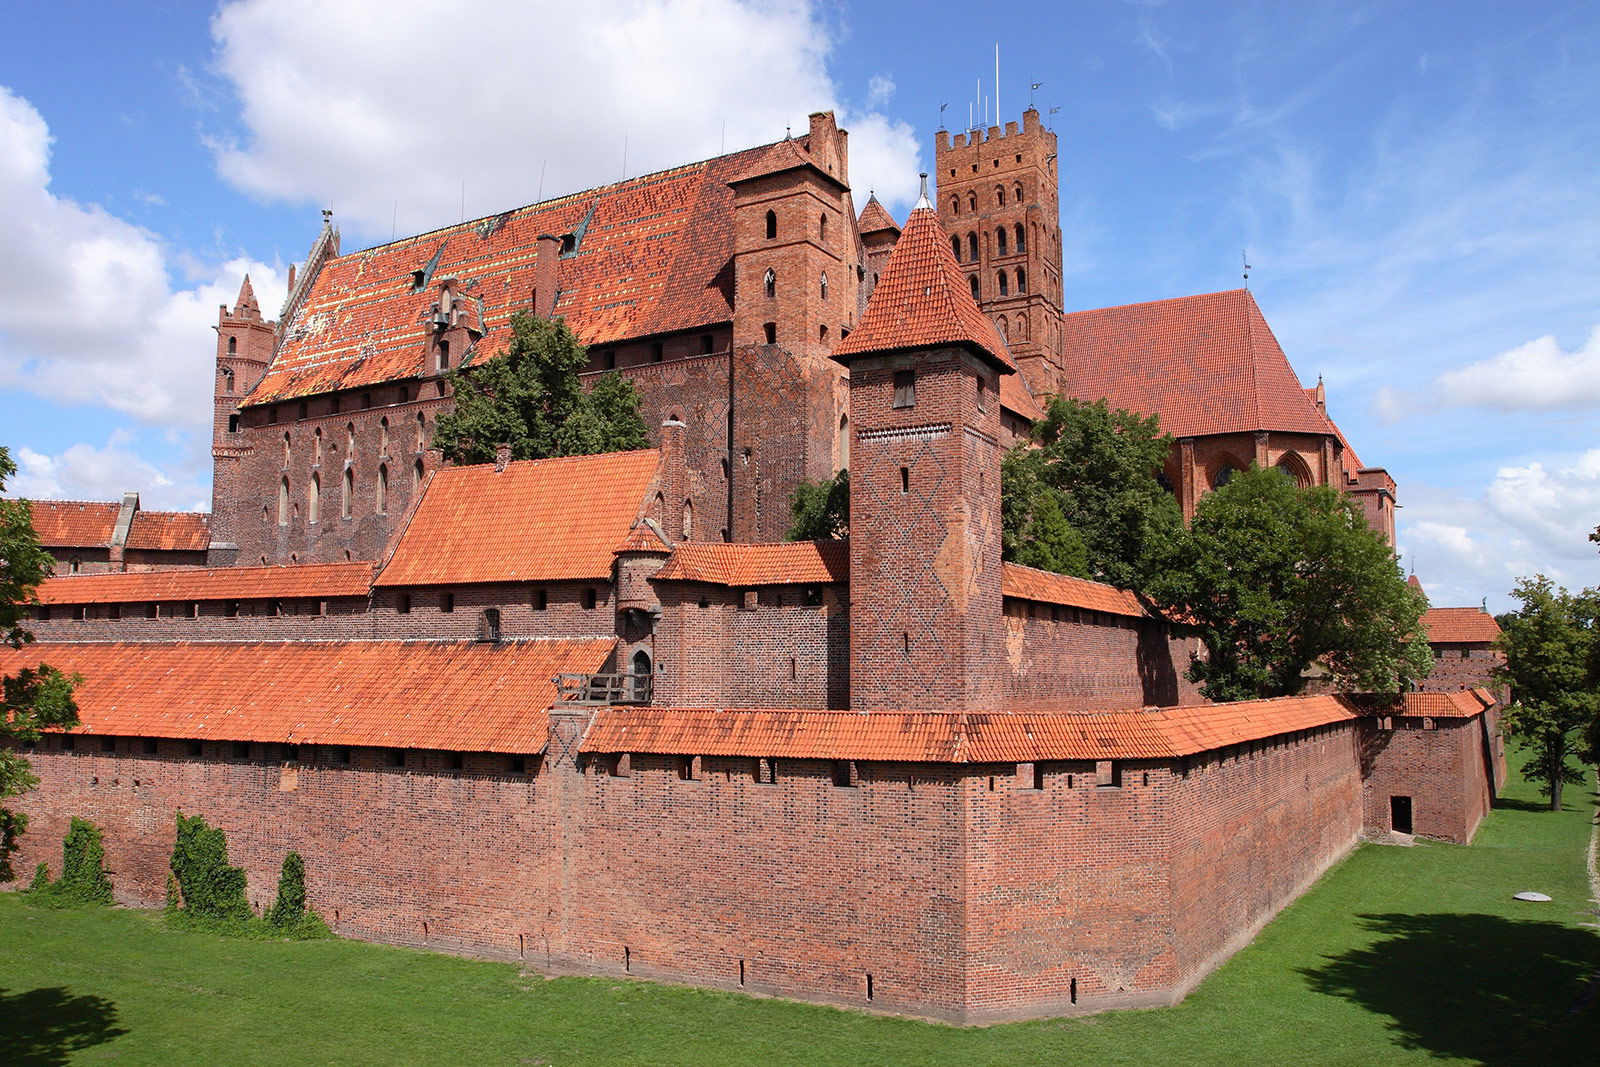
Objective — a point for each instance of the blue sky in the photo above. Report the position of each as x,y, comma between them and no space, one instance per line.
1416,185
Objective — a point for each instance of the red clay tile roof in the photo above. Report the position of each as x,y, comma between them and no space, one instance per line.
537,521
1206,364
458,696
875,217
1026,583
171,531
787,154
74,523
1015,396
645,536
1464,704
211,583
1415,584
956,737
791,563
650,259
922,300
1460,626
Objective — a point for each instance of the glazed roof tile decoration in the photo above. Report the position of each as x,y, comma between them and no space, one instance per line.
922,300
649,258
1026,583
456,696
875,217
74,523
319,580
181,531
791,563
957,737
536,521
1464,626
1208,364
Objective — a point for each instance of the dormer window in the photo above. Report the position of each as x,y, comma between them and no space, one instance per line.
569,243
419,278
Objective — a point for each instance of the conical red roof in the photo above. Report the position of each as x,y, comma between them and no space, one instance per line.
875,217
922,299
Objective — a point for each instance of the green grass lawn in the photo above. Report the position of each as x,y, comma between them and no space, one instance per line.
1396,955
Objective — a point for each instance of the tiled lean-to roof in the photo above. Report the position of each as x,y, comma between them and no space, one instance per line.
459,696
956,737
1463,704
308,580
536,521
651,255
1026,583
791,563
1206,364
1460,626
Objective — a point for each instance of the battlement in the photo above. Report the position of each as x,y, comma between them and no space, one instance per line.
944,141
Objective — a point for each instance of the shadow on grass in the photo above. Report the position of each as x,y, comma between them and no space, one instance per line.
1478,987
46,1026
1515,804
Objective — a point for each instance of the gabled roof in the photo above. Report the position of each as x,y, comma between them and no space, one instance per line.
787,154
310,580
646,536
1460,626
458,696
1206,364
922,300
537,520
790,563
1014,396
170,531
1027,583
652,256
956,737
876,218
74,523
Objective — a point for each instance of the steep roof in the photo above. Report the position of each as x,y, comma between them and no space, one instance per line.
1206,364
651,256
876,218
311,580
1026,583
74,523
170,531
956,737
459,696
537,520
793,563
922,300
1460,626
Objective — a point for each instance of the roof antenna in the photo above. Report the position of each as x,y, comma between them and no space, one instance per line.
1244,257
542,164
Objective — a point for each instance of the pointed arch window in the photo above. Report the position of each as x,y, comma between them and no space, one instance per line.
972,247
348,492
955,249
822,226
955,205
233,346
844,442
769,283
416,475
772,225
1017,192
823,287
769,330
316,446
1022,238
1000,241
1004,284
383,436
288,451
973,281
422,432
283,501
972,201
382,498
1000,196
688,520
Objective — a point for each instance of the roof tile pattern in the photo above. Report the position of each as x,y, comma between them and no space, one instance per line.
793,563
211,583
1206,364
1026,583
875,217
956,737
169,531
74,523
922,300
536,521
466,697
1463,626
1463,704
650,258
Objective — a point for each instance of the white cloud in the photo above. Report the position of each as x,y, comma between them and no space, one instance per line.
85,472
1537,376
87,314
1391,405
381,110
880,90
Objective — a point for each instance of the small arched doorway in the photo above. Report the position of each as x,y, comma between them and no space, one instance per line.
641,676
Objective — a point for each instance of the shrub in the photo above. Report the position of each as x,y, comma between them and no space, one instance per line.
83,870
210,888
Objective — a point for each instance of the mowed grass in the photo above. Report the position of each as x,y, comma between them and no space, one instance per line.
1397,955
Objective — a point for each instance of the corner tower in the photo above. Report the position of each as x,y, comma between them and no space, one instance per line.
1000,204
925,367
245,344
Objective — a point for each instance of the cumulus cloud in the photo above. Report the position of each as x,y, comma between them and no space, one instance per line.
1537,376
87,312
382,110
880,90
87,472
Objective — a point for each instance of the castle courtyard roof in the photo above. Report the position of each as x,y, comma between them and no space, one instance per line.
790,563
876,218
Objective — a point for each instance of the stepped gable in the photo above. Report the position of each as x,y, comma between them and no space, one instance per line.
649,257
170,531
788,563
74,523
954,736
1028,583
455,696
309,580
922,300
1206,364
1463,626
875,218
537,520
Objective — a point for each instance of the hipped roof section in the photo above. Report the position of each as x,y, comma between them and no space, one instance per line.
789,563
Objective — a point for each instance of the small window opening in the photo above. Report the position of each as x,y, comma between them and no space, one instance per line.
770,331
588,598
1003,282
905,388
1108,773
447,602
396,757
402,604
230,609
108,744
843,772
241,750
491,624
705,344
905,480
688,768
196,749
769,283
767,771
233,350
972,282
1000,241
824,285
972,247
151,747
869,987
657,353
541,599
233,423
455,761
772,225
444,355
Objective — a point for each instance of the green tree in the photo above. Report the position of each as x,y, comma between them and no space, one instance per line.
290,907
35,698
820,510
530,398
1274,578
1083,498
1551,646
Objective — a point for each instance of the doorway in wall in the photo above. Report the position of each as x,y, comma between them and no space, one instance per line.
1400,814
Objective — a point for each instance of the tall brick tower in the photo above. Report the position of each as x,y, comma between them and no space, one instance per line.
245,343
925,366
999,202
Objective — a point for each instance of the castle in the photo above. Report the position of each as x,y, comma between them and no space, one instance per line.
592,713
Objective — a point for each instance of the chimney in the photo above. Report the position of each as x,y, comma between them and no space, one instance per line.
502,456
674,474
546,276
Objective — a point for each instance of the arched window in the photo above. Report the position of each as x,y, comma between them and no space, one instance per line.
316,446
955,205
227,380
422,432
416,475
1000,241
1224,474
383,436
972,247
1022,280
844,442
349,440
772,225
973,281
972,201
349,491
233,346
824,286
283,501
383,489
314,503
1022,238
641,675
688,520
1000,196
770,283
955,249
287,451
1000,279
822,226
1017,190
1022,327
1001,325
1295,467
